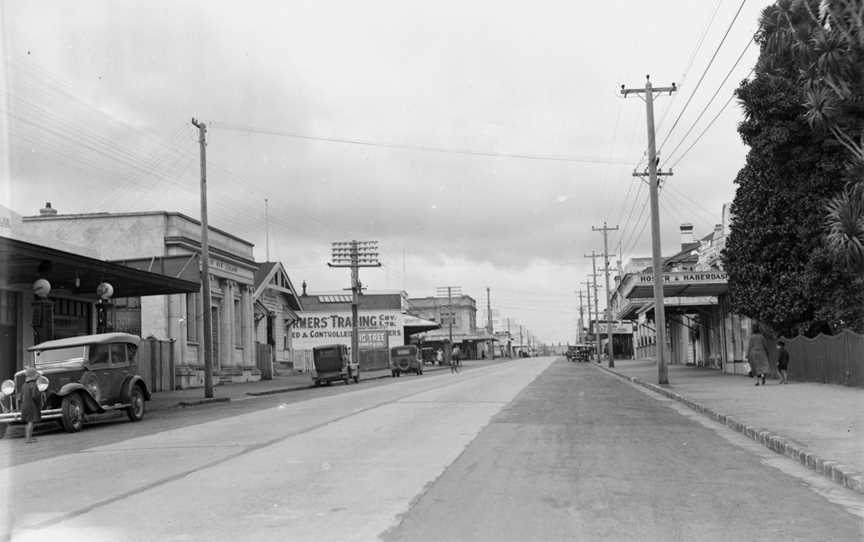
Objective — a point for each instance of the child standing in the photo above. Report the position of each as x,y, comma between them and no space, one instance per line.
782,362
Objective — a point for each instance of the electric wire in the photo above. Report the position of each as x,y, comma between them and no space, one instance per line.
409,147
711,100
702,77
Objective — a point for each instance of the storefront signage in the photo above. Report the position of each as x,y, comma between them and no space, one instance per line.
373,339
318,328
618,328
687,277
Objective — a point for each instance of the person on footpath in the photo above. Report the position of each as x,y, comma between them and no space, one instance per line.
439,357
757,354
783,362
31,403
454,359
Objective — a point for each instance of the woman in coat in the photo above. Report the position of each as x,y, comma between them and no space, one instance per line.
757,355
31,403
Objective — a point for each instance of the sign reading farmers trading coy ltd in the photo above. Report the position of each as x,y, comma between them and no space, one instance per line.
319,328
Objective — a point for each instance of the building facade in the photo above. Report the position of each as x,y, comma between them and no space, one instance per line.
457,316
276,307
143,239
700,327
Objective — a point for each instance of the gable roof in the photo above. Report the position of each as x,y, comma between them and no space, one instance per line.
264,280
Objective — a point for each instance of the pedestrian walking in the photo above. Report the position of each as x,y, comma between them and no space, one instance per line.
439,357
454,359
31,403
783,362
757,354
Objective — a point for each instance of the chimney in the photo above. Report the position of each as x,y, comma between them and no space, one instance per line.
718,231
686,235
47,210
304,288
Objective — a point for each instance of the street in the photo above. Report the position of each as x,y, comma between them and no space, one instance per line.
530,449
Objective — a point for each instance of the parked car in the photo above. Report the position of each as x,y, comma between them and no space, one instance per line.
404,359
332,362
80,378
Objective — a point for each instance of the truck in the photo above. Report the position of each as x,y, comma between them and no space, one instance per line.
333,362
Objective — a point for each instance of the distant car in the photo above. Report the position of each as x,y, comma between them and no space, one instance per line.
80,378
405,359
332,362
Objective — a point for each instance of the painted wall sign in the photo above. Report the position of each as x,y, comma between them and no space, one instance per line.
319,328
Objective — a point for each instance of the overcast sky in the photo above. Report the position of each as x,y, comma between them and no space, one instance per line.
99,96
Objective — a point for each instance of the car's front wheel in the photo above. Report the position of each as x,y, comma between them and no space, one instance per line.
135,410
357,377
73,413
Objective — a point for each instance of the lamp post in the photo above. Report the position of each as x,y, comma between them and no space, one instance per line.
355,254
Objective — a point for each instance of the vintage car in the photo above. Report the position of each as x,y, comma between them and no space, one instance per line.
332,362
404,359
80,378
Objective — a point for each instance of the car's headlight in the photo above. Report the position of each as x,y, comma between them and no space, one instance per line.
42,383
8,387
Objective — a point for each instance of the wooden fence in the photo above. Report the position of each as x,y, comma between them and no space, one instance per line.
830,359
156,363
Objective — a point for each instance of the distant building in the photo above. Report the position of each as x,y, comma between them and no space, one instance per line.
461,313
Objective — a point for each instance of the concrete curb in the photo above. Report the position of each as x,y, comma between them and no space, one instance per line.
837,472
205,401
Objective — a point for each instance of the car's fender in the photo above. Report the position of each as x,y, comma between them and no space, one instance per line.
127,388
90,403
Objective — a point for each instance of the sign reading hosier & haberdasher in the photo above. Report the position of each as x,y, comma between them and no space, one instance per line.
687,277
320,328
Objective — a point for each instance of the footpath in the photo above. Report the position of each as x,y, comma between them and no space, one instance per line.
819,425
248,390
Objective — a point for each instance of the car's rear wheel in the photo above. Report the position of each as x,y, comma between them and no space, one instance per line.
135,410
73,413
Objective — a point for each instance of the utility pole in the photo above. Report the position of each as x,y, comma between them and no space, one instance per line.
509,349
581,316
451,315
520,339
606,255
656,253
587,284
355,254
267,226
205,266
593,257
489,325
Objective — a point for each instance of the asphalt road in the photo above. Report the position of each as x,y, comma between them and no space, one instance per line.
527,450
582,455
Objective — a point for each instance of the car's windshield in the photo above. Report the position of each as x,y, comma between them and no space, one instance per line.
44,358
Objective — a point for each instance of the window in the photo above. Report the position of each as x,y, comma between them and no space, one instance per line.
238,324
118,355
99,355
191,317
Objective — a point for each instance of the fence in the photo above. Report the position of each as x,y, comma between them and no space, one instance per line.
156,363
370,359
830,359
264,360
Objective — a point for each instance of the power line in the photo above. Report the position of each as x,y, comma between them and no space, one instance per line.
690,62
710,124
702,77
402,146
711,100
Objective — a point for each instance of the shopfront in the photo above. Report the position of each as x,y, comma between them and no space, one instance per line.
47,293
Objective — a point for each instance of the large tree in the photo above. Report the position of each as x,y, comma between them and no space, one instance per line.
783,268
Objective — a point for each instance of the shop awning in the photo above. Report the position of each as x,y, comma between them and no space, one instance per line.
676,284
21,263
414,324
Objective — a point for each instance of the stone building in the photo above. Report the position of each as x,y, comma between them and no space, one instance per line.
171,240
